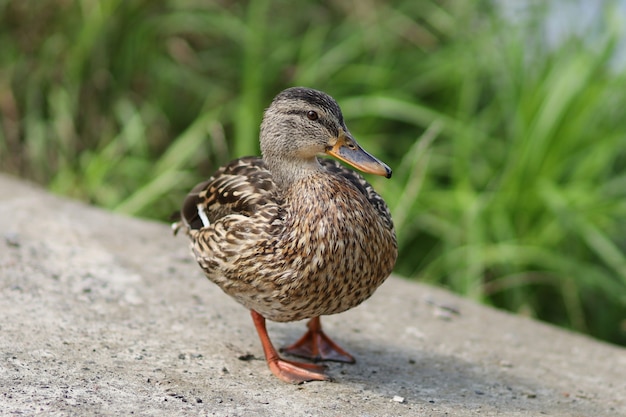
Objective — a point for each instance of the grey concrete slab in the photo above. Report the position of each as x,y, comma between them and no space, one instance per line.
106,315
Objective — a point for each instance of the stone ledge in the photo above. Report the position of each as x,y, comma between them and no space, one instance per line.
106,315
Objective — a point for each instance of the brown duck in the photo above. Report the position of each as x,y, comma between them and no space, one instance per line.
291,236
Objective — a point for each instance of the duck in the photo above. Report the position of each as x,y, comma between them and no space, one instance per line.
293,235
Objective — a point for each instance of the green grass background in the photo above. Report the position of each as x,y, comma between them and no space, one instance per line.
509,154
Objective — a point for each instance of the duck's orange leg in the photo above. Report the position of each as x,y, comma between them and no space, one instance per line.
288,371
315,345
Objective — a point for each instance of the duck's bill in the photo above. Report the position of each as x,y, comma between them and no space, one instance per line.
347,149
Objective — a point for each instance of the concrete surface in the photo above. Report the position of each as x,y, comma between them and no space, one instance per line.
106,315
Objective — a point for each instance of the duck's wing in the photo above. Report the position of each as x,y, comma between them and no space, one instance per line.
362,185
240,187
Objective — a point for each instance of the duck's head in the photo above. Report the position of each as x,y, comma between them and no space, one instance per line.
302,123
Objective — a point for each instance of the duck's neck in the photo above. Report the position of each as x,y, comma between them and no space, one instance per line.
287,172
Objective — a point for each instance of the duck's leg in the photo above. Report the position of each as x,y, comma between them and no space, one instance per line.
288,371
315,345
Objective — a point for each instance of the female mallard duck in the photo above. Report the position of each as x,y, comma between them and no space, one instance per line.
291,236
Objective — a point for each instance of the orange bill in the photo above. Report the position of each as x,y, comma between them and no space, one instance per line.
347,149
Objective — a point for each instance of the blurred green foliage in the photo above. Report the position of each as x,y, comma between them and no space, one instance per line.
509,184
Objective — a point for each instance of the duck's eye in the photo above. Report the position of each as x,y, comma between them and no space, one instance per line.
312,115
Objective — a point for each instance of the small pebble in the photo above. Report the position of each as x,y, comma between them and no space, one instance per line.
12,239
444,311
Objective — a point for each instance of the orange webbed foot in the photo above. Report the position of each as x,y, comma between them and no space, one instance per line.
297,372
288,371
317,346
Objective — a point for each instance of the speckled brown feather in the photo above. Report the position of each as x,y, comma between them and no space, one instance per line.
320,247
239,187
